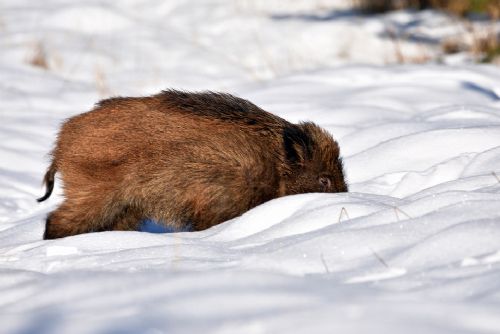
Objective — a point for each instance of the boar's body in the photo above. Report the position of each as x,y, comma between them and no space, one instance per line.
182,158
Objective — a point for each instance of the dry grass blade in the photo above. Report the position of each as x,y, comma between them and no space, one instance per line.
39,57
379,258
343,212
324,263
496,176
391,32
101,83
396,210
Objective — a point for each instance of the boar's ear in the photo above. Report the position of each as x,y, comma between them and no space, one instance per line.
297,144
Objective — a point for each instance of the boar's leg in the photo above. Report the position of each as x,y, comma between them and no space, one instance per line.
70,219
76,218
63,222
128,220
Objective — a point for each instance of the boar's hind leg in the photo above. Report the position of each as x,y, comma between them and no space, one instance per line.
62,222
70,219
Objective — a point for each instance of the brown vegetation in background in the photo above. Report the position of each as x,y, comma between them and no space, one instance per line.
382,6
38,57
457,7
483,44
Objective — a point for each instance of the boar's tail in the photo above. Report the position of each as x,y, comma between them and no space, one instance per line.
48,181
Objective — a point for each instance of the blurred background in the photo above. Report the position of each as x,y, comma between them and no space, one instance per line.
140,46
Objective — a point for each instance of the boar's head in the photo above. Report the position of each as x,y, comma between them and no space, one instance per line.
313,162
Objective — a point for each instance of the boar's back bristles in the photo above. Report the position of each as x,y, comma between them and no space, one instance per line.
182,159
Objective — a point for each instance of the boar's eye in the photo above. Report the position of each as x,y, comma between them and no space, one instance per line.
325,182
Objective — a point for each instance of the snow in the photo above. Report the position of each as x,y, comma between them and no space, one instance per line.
414,246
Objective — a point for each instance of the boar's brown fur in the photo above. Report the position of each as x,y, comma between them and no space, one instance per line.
183,159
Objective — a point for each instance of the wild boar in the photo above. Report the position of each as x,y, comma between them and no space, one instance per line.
182,159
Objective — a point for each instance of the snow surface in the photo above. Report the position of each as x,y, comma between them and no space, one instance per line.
413,248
